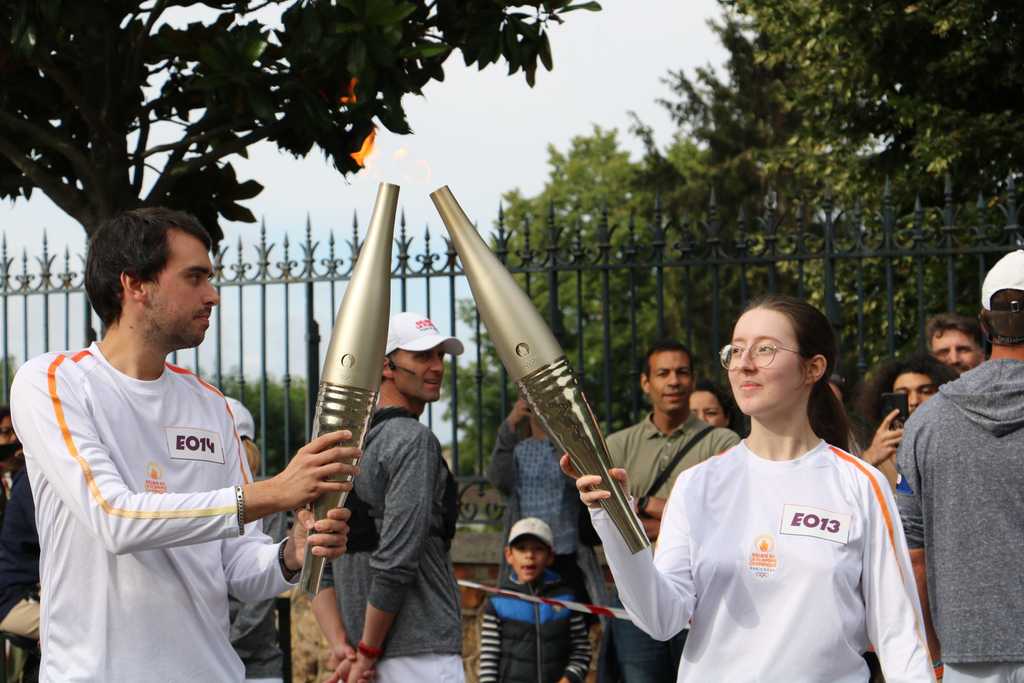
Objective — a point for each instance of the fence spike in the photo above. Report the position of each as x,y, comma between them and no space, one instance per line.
501,223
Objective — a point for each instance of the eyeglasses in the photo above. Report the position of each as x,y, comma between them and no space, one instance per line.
762,355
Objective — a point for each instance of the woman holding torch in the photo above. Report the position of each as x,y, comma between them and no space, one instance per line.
785,554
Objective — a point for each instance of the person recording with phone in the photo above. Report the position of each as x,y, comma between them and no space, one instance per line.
890,396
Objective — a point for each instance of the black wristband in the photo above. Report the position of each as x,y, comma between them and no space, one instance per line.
289,574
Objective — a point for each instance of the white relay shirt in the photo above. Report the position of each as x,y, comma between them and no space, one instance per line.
134,491
788,569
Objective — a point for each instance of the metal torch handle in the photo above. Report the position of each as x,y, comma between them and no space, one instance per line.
555,396
337,407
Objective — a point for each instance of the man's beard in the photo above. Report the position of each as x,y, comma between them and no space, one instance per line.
171,335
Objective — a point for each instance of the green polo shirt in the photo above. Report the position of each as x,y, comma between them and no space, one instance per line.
643,451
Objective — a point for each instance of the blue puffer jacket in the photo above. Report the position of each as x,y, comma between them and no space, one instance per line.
536,642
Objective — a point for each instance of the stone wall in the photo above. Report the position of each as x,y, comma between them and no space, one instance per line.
475,556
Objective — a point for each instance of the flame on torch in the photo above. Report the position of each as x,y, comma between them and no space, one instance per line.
350,97
366,149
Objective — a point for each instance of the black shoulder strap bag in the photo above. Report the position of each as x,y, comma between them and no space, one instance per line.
362,530
667,472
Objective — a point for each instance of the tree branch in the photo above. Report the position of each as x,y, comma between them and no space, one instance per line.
49,139
258,7
189,141
140,160
72,92
135,61
63,195
175,167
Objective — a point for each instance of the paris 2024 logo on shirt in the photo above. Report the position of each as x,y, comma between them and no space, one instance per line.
763,560
155,478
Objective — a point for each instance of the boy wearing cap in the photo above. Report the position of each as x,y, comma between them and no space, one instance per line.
523,641
396,612
962,461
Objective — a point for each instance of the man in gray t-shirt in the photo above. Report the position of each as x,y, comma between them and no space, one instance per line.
396,607
962,467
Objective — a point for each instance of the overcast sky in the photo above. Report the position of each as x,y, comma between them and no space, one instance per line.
481,133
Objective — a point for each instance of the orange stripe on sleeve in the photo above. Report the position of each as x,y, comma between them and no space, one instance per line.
919,624
874,487
90,479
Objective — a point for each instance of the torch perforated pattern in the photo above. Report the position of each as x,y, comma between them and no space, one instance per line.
337,407
554,395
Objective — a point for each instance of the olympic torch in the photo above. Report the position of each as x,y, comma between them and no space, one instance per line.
351,375
537,364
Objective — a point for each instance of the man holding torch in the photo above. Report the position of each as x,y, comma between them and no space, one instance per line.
147,513
399,602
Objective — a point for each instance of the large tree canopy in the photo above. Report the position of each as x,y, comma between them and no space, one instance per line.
898,88
111,104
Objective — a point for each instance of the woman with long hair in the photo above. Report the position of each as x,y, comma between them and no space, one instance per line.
785,554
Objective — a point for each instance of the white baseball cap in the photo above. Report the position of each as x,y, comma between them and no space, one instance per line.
244,423
415,332
532,526
1007,273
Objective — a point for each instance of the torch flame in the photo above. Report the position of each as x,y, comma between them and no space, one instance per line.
366,149
350,98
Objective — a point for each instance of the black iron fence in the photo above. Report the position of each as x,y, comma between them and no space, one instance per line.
609,282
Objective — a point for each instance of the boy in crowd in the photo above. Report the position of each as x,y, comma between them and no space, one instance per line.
526,641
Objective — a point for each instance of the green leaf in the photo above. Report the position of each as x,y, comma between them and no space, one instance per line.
428,50
589,6
510,47
544,52
254,49
384,12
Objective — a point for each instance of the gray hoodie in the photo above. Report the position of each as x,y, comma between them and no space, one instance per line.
962,500
410,572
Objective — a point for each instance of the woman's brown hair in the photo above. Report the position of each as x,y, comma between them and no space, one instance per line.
814,336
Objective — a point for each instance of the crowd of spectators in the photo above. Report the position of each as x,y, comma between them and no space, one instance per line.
692,418
944,427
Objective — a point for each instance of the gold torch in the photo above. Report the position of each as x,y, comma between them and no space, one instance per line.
537,364
351,375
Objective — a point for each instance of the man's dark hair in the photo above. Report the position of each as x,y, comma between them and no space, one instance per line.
869,402
134,242
661,346
937,325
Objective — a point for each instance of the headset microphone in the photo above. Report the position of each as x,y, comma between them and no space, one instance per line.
393,366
